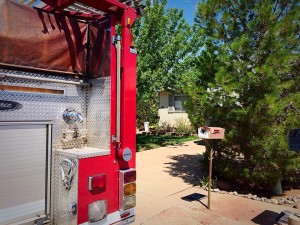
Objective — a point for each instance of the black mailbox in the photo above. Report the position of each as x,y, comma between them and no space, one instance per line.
294,140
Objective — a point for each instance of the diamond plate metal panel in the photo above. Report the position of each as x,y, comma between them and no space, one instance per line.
38,106
62,198
93,102
98,111
86,152
94,105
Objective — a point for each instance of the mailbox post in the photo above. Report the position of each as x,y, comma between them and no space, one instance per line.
209,133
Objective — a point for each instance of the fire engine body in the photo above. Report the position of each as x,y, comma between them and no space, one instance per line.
67,135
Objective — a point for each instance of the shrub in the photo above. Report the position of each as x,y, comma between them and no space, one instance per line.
183,126
204,182
165,127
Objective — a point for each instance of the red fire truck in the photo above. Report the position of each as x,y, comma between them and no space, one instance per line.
67,112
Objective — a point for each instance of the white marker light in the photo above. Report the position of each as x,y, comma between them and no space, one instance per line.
97,211
129,202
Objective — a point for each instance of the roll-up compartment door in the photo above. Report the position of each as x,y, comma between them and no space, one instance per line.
23,172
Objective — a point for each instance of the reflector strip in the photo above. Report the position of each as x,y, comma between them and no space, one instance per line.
124,215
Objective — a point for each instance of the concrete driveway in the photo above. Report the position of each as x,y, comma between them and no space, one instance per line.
167,176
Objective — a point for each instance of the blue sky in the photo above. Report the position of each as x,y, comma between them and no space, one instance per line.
188,6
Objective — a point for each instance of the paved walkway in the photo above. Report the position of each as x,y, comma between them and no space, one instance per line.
167,175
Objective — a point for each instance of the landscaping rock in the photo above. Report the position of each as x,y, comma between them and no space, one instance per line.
295,199
264,199
297,205
281,202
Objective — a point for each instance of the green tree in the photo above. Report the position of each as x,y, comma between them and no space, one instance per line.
247,78
162,41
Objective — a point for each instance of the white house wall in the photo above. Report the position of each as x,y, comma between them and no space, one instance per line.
163,112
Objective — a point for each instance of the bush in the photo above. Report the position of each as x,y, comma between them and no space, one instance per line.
183,126
165,127
204,182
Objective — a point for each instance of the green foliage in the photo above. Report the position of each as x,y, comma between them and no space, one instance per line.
183,126
162,42
204,182
166,127
247,78
146,112
146,142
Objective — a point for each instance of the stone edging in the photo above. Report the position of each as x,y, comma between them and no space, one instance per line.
293,201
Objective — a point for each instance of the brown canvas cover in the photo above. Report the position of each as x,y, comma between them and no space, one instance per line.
34,39
99,60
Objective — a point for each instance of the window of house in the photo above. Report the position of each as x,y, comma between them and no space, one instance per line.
176,102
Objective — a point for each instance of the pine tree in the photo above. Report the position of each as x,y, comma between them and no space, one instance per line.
247,78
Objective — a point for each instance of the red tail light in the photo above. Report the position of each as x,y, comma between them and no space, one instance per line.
129,176
97,183
127,189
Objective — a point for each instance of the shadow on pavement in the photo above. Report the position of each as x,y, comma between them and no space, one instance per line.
195,197
200,142
267,217
186,167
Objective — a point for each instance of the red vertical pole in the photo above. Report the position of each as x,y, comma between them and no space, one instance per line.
128,91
